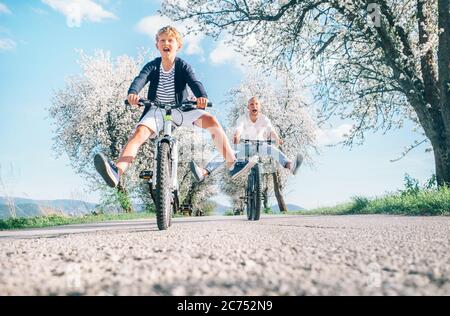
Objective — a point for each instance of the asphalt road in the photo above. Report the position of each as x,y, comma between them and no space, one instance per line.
279,255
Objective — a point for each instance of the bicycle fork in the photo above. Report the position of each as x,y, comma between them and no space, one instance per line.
173,144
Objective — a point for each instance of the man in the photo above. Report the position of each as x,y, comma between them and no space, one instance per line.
253,125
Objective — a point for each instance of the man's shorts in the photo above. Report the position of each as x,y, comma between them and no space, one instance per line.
154,119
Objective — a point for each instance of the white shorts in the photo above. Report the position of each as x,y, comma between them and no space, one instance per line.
154,119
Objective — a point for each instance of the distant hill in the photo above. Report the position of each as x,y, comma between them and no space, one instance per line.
31,208
290,207
221,209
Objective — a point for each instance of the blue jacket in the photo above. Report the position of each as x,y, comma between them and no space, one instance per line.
184,76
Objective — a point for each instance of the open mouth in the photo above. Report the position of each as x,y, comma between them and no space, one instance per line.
254,111
166,49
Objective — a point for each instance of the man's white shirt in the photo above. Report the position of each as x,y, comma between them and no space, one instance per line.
259,130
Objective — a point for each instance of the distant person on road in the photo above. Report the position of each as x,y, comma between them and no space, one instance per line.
253,125
169,77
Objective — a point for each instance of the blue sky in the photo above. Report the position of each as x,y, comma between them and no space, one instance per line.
38,49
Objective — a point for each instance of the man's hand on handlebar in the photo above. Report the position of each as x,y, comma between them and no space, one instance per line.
133,99
236,138
202,103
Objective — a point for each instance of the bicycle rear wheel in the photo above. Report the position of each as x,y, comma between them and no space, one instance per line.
163,193
256,193
249,196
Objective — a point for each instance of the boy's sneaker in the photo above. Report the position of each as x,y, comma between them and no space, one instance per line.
296,164
197,172
241,167
107,169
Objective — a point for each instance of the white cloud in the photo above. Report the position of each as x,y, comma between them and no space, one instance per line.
151,24
332,136
224,53
193,44
4,9
7,44
78,10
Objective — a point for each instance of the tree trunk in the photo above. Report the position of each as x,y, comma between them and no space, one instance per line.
435,129
124,199
442,162
278,192
442,146
265,194
191,194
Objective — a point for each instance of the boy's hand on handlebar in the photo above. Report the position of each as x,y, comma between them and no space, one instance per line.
133,99
202,103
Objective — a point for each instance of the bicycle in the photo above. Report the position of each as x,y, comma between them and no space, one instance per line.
253,191
163,180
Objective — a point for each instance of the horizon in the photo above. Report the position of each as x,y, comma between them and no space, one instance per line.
75,200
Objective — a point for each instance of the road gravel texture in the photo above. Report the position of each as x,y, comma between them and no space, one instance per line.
278,255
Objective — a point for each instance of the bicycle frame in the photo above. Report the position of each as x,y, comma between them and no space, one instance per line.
166,136
257,144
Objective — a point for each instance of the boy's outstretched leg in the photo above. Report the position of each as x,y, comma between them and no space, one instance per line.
222,144
107,169
111,172
199,173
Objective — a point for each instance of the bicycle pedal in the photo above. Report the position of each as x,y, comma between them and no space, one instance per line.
146,175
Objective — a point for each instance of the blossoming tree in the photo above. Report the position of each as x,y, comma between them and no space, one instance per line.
378,62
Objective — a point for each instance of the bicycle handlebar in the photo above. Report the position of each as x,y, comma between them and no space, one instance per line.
144,102
254,142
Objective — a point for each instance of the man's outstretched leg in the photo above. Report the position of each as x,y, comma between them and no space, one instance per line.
111,172
278,155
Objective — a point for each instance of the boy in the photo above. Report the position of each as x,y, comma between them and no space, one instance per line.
169,77
253,126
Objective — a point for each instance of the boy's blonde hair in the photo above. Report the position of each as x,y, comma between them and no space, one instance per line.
251,99
170,31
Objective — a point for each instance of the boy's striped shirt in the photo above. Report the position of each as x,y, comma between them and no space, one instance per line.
165,93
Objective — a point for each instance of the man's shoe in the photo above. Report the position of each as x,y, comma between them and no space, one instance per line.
296,164
107,169
197,172
240,168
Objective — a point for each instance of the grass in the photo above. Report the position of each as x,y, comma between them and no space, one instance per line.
413,201
417,202
59,220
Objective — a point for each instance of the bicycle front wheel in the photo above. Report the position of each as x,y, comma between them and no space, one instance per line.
163,192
